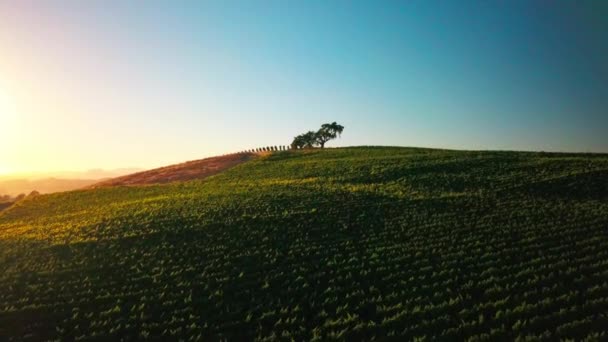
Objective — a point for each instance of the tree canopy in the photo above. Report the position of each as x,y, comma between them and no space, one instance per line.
328,132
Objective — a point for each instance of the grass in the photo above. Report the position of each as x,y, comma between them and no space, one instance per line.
351,243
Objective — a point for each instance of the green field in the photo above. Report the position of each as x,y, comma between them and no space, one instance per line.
346,244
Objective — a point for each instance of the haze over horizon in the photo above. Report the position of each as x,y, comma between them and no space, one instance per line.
111,84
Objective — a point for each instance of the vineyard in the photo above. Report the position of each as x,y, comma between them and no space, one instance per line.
335,244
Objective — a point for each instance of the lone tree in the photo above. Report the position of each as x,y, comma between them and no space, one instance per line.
320,137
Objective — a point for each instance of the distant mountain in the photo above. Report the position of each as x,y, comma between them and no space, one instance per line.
57,181
88,174
14,187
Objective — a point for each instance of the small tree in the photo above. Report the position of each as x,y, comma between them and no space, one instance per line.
320,137
298,142
310,139
306,140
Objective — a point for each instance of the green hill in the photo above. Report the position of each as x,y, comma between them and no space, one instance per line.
349,244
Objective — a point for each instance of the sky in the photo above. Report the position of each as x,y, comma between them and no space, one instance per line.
113,84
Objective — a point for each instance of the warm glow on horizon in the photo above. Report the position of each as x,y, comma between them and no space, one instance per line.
8,120
4,170
8,129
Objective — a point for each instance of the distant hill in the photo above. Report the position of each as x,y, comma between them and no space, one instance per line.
14,187
347,244
196,169
88,174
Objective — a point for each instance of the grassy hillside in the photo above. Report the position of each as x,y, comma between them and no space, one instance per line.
350,243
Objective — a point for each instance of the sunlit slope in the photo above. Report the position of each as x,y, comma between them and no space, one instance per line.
347,243
195,169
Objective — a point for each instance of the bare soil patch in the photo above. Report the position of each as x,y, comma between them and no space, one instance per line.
196,169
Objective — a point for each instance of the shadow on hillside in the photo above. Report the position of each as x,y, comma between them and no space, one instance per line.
287,257
592,185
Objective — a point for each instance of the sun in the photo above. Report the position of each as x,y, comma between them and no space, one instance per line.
4,170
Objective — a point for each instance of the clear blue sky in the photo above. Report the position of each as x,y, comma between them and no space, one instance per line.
116,84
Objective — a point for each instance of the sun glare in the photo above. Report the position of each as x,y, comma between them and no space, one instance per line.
4,170
8,112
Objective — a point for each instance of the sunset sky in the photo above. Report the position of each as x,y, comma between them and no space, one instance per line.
113,84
